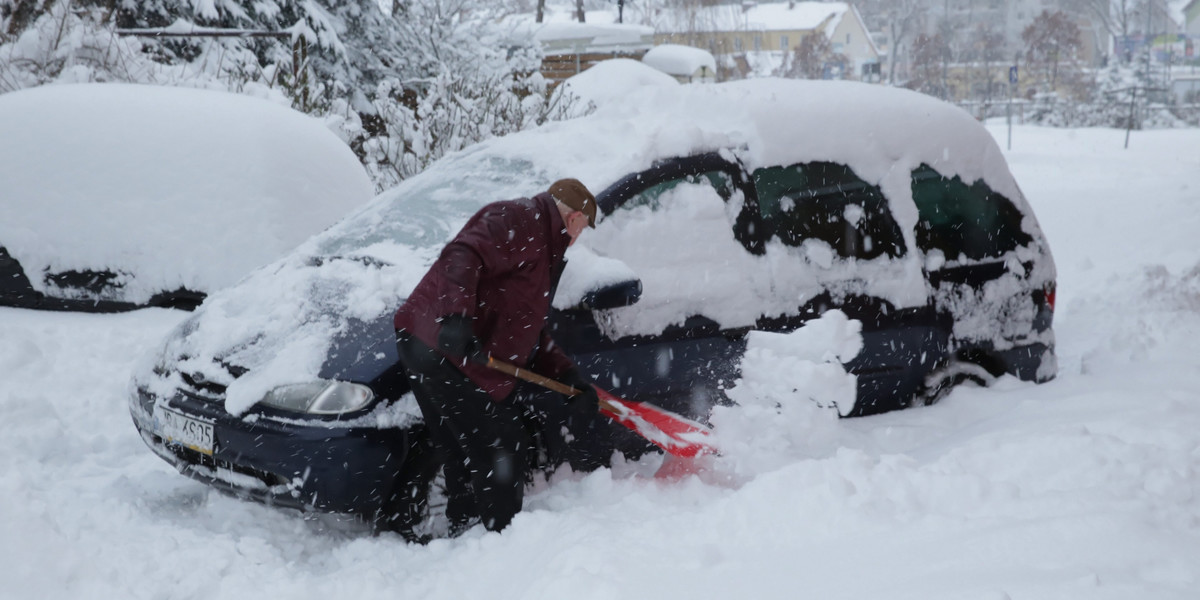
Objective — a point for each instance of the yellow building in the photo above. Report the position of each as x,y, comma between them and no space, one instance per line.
739,32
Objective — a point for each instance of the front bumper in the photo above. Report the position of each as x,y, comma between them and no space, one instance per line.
310,465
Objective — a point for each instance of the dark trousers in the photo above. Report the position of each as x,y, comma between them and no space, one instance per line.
483,442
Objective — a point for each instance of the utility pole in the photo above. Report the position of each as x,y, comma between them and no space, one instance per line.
1149,40
1013,77
946,51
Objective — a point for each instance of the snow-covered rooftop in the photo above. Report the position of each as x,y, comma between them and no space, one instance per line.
795,15
559,31
777,16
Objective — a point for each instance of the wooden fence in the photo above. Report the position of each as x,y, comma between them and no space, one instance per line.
557,67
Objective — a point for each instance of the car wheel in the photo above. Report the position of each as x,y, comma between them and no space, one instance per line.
416,509
426,519
940,381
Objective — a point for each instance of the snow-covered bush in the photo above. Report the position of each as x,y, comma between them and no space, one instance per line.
1116,89
401,89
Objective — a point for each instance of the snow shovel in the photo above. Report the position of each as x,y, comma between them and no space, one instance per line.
676,434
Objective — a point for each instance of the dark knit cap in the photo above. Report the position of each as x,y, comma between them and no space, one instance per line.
575,196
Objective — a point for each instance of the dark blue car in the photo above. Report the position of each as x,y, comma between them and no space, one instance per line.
287,389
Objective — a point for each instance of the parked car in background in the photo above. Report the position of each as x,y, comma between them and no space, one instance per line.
729,208
119,196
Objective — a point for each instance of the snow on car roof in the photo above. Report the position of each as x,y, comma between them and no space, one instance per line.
675,59
168,187
882,133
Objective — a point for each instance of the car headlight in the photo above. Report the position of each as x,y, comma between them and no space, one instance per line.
319,397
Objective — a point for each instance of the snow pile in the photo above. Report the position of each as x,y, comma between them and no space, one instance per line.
167,187
791,392
606,82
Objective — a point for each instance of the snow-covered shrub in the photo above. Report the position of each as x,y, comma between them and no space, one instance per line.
1109,105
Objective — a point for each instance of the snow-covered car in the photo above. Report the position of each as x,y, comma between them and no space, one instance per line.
755,205
118,196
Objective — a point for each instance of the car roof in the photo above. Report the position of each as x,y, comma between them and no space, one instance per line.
882,133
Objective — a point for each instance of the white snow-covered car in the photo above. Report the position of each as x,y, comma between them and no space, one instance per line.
117,196
727,208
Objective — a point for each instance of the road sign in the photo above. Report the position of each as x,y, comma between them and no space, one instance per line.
1012,74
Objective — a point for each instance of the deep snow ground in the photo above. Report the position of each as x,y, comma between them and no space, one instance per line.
1085,487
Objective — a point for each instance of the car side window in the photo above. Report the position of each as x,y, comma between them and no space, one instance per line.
679,231
964,221
714,171
826,201
719,181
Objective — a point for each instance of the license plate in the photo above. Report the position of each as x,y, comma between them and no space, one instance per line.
183,430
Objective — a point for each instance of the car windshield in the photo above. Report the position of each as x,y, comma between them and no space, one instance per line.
428,209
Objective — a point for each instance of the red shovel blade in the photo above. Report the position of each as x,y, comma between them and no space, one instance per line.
674,433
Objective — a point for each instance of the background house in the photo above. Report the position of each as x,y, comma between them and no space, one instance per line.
571,47
759,36
1191,18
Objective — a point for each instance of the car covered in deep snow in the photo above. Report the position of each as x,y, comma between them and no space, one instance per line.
730,208
119,196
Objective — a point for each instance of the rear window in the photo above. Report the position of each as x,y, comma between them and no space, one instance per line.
828,202
964,221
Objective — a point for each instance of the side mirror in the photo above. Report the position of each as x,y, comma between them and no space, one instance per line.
614,295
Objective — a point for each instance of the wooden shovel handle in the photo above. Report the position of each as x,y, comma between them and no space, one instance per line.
531,377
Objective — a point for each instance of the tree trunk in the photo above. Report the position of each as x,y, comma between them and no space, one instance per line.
541,10
1054,70
579,11
893,54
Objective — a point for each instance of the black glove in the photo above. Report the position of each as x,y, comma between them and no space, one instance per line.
457,337
586,402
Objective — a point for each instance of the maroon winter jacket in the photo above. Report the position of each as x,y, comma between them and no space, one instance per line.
501,269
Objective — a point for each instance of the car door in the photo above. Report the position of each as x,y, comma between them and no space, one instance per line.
834,244
980,272
687,227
